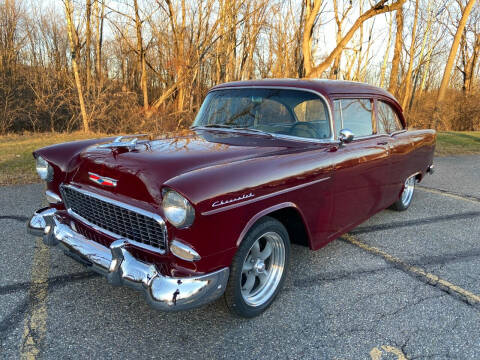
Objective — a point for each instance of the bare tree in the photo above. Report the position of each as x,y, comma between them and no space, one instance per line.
378,8
75,51
397,51
142,64
411,54
339,20
453,50
387,51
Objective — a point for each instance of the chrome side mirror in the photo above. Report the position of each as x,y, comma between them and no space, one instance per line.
345,136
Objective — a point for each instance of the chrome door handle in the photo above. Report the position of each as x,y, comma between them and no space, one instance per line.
382,143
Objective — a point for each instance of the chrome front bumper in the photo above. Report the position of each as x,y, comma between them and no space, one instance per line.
120,267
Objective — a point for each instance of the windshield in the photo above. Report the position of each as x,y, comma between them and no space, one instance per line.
276,111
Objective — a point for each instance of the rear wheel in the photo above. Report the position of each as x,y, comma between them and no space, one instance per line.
258,269
407,195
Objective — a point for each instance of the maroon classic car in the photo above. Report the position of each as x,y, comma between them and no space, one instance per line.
212,211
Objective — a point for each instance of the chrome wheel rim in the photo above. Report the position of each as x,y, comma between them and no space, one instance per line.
262,269
408,188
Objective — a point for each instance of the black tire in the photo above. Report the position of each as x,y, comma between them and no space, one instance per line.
406,196
236,301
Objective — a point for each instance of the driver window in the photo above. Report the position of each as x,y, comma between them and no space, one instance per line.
355,115
312,120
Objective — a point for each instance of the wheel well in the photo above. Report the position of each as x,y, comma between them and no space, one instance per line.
293,222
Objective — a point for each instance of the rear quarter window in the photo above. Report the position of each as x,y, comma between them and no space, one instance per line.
388,121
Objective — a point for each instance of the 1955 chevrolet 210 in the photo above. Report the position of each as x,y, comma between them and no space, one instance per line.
212,211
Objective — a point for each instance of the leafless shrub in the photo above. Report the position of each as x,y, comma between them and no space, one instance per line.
460,111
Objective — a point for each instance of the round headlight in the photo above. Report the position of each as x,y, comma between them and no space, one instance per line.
44,169
178,210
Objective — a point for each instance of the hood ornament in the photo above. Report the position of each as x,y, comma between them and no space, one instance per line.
120,142
102,180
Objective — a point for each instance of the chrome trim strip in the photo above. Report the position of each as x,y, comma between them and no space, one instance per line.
398,132
325,100
53,198
154,216
266,196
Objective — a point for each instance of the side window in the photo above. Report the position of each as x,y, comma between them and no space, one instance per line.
310,110
354,114
388,120
312,120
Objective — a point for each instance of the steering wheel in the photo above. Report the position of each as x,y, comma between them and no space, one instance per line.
309,128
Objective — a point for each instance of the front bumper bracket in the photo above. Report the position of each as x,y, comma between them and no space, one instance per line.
120,267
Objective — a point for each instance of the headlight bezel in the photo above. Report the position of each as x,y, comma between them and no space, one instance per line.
177,209
44,169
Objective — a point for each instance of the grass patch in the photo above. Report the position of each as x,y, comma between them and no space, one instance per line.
17,165
457,143
16,161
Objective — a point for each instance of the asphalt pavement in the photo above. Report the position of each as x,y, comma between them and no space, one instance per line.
403,285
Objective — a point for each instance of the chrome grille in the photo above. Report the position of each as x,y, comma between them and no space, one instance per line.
120,220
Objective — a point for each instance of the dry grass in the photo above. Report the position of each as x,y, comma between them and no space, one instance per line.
17,165
16,162
457,143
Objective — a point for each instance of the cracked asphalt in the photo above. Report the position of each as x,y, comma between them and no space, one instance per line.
400,286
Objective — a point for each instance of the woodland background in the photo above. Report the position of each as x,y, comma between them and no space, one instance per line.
118,66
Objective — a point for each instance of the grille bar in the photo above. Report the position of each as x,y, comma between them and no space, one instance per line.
116,219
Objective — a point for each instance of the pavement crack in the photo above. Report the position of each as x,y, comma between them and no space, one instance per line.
336,276
408,223
422,275
13,318
453,194
52,282
14,217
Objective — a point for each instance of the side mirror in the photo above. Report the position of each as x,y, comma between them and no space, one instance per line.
345,136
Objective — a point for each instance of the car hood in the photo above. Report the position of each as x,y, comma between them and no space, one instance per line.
141,173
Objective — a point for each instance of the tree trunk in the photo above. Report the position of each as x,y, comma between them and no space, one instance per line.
99,14
387,52
312,11
88,44
453,51
471,64
335,70
141,57
74,48
360,45
408,77
397,52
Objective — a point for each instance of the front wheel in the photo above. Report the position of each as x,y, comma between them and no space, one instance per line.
258,268
407,195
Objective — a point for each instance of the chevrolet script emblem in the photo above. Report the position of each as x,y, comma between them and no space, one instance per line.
101,180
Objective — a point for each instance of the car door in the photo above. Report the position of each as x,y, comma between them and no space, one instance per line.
361,166
391,129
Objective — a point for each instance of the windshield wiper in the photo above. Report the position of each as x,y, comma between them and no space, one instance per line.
253,130
223,126
239,128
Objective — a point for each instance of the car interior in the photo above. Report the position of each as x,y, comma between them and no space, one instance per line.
285,112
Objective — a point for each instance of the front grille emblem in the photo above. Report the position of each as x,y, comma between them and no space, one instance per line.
102,180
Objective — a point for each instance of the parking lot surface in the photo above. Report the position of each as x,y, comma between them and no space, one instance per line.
403,285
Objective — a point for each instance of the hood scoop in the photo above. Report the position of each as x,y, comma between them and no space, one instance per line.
123,142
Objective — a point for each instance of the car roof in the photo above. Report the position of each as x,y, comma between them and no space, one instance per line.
328,88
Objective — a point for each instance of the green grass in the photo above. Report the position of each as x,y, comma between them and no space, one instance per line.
18,167
457,143
16,161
